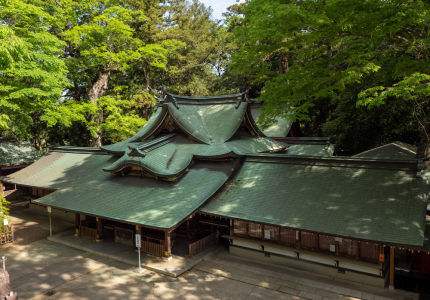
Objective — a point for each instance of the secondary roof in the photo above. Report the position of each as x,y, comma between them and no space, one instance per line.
83,187
15,152
364,199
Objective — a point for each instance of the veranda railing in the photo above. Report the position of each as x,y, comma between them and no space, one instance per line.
201,245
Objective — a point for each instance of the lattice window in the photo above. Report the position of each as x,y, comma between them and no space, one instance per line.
273,232
287,236
309,240
369,250
348,247
325,241
240,227
254,230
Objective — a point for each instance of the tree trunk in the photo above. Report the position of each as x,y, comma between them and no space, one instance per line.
282,64
424,144
94,93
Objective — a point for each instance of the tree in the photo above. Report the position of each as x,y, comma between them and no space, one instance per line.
332,46
32,75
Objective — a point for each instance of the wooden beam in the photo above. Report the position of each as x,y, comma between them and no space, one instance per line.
247,229
167,246
358,249
262,232
391,287
231,227
99,228
77,223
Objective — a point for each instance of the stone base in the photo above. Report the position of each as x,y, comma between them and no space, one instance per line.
308,266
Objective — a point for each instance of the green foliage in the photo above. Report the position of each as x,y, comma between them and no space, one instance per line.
332,47
32,74
4,211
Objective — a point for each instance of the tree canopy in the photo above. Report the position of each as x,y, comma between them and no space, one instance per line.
325,49
88,73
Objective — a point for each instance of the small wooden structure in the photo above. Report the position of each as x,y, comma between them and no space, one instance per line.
202,244
7,235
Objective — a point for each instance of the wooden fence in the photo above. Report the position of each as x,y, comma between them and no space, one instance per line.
88,232
90,222
7,235
152,248
201,245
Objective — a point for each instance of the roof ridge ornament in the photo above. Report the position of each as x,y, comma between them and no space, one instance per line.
241,99
148,147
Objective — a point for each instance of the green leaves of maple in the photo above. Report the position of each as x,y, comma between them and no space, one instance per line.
33,75
333,44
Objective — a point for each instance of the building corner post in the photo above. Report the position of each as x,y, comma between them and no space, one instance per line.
77,224
99,229
167,244
391,286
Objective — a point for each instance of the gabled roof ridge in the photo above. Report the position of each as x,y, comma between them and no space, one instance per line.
343,161
77,150
392,143
207,97
346,158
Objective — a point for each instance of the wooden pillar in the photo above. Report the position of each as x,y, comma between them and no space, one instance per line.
77,223
391,287
358,249
50,223
167,249
188,229
99,228
337,248
262,232
247,228
279,235
298,239
212,227
231,227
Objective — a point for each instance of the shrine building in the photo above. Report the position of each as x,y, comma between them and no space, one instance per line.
15,155
201,166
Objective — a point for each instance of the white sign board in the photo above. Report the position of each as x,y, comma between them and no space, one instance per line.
333,248
338,239
49,208
267,234
5,222
138,244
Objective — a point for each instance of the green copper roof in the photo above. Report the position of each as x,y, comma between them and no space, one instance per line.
14,152
279,129
171,159
208,120
396,150
384,205
209,123
311,150
83,187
